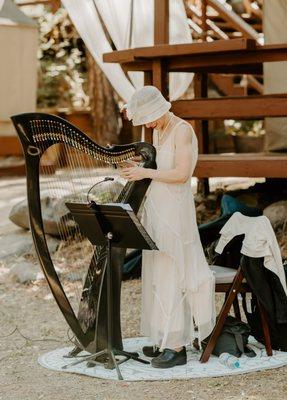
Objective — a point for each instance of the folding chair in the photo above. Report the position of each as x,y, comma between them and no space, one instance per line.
232,282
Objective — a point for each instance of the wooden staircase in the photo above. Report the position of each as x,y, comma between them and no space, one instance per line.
212,20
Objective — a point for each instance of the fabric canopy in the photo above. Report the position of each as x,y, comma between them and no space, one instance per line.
116,15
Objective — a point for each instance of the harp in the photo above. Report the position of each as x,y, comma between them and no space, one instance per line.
80,165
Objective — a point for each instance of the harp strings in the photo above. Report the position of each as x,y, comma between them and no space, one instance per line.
76,174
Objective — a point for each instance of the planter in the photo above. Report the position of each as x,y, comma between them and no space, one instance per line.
248,144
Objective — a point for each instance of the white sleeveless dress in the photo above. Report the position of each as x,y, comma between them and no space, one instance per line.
177,283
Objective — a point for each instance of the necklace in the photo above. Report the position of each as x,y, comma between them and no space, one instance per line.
160,135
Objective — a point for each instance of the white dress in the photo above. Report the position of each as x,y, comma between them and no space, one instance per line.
177,283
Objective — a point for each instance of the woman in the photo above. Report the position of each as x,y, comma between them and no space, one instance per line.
177,284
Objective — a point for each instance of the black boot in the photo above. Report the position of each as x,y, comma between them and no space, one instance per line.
151,351
169,358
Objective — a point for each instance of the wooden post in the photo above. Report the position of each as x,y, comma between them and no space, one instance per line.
161,36
158,76
204,25
201,126
148,131
161,21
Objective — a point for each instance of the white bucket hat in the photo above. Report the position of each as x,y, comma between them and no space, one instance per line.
146,105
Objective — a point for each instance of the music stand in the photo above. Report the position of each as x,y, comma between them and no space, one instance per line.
111,225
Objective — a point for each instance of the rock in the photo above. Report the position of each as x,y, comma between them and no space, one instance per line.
200,208
74,277
21,244
198,198
56,216
277,213
15,245
24,272
212,197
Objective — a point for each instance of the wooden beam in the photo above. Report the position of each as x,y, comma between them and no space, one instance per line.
254,69
10,146
269,165
170,50
273,105
161,21
231,59
13,170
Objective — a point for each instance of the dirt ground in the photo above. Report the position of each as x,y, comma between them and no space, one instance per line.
40,328
31,324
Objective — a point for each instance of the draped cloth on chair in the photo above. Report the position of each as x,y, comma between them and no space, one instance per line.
116,15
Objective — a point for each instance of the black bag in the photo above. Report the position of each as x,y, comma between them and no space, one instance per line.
278,332
233,339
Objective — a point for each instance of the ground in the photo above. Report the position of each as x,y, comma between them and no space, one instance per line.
31,324
40,328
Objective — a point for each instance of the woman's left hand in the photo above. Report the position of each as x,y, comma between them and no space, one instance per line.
134,173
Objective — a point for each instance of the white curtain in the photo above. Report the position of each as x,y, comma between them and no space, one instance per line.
116,16
1,3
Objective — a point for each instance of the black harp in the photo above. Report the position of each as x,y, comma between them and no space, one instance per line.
37,133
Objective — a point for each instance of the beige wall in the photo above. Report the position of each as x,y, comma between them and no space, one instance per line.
18,73
275,74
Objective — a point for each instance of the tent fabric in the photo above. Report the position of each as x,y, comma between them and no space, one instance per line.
116,15
11,14
275,14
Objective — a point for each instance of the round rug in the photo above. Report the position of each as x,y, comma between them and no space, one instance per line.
135,371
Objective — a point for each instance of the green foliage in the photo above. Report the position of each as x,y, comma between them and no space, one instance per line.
244,127
62,68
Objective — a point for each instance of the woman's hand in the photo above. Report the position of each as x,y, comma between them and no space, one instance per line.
134,173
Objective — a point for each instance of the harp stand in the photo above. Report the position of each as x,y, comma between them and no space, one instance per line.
112,225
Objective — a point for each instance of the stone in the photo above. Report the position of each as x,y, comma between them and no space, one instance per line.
24,272
200,208
277,213
56,216
21,244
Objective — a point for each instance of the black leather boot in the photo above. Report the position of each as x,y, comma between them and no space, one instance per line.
151,351
169,358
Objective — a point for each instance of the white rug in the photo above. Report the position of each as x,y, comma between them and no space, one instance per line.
135,371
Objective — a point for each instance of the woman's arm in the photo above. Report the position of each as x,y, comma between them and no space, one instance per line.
179,174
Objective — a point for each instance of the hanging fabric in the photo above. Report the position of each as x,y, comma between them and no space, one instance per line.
86,20
116,15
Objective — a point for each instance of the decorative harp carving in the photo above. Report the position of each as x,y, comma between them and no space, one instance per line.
40,134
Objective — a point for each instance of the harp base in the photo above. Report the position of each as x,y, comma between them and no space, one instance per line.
109,352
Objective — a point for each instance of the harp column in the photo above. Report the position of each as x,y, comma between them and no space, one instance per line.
158,76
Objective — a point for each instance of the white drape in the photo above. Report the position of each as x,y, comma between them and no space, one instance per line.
116,15
1,4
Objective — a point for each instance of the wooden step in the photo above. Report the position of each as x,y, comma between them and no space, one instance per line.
268,165
246,107
226,86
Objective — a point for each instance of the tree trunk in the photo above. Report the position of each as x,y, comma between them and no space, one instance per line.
104,105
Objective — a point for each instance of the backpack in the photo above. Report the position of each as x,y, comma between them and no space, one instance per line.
233,339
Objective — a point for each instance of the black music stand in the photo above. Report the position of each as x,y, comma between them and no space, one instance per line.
111,225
